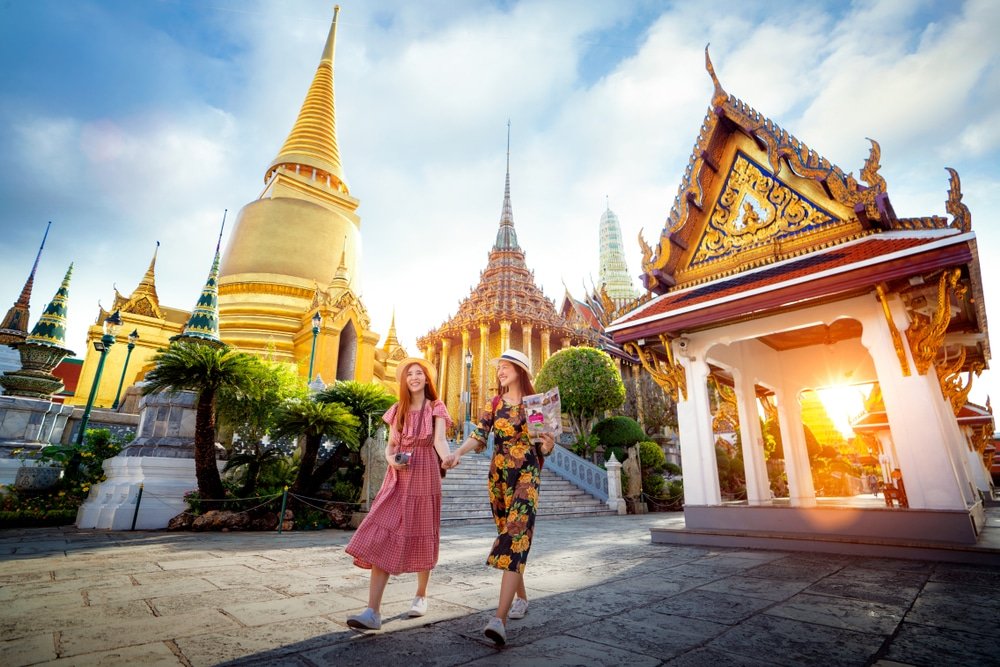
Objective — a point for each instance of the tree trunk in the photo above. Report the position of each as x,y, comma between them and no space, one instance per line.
206,467
310,452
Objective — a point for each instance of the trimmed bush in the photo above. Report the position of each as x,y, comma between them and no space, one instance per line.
619,432
651,457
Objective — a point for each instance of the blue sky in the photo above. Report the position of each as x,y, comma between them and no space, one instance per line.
127,122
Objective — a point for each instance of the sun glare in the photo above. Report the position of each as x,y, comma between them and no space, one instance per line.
842,404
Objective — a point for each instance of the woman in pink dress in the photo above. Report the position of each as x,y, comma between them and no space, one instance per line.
403,526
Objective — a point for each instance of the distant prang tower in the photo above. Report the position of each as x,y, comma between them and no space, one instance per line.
614,272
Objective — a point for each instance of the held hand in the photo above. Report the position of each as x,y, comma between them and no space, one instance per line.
449,462
548,443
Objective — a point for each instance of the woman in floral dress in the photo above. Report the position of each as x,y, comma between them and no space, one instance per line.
513,483
402,530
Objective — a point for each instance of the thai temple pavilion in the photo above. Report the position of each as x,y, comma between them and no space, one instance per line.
777,272
294,253
506,309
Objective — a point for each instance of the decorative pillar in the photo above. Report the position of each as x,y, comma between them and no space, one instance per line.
484,360
801,492
697,441
526,331
544,352
615,500
758,488
443,372
504,334
464,383
923,429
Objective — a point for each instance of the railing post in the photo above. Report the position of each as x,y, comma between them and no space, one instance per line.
138,499
615,500
281,516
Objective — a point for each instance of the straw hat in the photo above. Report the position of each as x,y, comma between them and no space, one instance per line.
517,358
426,365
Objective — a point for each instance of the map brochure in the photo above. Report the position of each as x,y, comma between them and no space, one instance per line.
543,413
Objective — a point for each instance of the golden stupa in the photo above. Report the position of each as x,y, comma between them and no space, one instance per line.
295,252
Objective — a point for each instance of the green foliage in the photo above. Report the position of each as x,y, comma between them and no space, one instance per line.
315,421
205,369
200,367
672,469
651,457
585,445
59,505
306,417
310,518
588,381
248,410
732,473
367,401
618,432
653,484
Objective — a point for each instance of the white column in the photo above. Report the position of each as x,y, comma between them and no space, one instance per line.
694,424
801,492
758,488
920,427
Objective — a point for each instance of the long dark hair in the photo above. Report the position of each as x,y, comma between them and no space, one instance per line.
404,394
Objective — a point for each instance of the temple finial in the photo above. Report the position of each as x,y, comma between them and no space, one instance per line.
720,95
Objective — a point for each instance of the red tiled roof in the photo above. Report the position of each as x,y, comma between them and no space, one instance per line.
822,273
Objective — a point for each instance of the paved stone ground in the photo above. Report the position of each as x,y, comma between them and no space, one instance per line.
600,592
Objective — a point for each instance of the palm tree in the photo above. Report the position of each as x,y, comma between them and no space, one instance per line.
315,421
257,460
367,401
204,369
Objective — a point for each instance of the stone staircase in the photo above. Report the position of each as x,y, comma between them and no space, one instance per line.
464,496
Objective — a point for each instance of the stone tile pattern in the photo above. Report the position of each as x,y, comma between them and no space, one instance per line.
601,594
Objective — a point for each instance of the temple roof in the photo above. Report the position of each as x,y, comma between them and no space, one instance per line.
203,325
763,224
143,300
754,194
506,289
851,266
312,143
50,330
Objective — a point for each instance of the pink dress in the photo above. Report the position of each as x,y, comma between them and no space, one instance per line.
403,526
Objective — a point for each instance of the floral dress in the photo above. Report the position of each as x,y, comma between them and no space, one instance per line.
403,527
513,483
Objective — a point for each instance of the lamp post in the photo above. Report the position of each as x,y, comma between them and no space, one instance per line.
132,337
111,325
468,392
317,320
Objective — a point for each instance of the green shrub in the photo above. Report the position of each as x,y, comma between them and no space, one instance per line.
651,457
653,484
672,469
619,432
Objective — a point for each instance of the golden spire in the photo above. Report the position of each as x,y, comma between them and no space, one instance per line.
312,143
343,277
391,340
147,286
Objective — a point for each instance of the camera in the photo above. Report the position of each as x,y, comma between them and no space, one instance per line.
401,458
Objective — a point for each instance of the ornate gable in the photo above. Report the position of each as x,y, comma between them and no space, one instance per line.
754,194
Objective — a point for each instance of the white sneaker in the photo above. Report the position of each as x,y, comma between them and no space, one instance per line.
496,631
419,607
518,609
369,619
